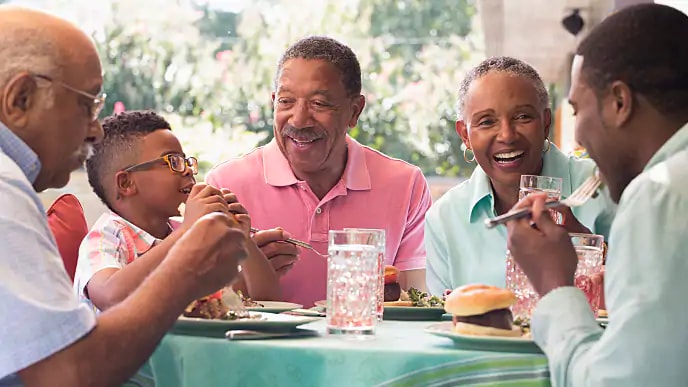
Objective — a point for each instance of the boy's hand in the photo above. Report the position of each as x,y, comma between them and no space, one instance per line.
238,209
203,199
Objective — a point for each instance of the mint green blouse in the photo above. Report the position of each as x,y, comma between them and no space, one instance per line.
461,250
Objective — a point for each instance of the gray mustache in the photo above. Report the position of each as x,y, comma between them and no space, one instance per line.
305,134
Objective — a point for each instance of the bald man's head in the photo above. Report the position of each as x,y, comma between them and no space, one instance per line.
48,70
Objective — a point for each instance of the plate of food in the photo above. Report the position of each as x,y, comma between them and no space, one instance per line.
271,306
210,315
230,297
482,321
411,305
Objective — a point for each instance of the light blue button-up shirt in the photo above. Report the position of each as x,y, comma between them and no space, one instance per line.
646,285
39,314
461,250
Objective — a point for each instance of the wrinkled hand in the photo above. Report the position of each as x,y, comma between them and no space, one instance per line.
282,255
238,209
203,199
541,248
569,221
209,253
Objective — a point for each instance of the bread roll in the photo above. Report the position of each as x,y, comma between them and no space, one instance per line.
471,300
479,330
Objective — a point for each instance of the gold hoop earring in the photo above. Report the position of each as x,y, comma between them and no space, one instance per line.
466,157
549,145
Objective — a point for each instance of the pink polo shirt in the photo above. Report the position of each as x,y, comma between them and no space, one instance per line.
375,191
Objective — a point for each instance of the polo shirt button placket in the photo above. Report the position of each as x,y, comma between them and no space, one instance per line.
318,210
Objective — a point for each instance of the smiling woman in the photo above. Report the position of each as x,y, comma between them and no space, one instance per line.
504,121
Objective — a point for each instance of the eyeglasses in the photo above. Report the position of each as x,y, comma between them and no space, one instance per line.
176,162
97,103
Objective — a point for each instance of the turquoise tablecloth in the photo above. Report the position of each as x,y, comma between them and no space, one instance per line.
401,354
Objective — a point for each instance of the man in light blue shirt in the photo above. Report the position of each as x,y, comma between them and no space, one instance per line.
460,250
49,75
630,95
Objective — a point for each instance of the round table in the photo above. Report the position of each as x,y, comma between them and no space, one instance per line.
400,354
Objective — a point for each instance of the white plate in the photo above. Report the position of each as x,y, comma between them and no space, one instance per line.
274,306
485,343
264,322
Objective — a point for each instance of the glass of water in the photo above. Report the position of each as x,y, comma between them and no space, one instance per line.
380,299
352,282
516,279
590,250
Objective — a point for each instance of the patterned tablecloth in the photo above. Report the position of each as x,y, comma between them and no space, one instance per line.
401,354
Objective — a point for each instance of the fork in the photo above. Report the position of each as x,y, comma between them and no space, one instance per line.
296,242
581,195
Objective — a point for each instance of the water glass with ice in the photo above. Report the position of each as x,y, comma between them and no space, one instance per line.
352,282
590,251
380,299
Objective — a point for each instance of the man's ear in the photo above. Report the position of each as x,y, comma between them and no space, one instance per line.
357,106
462,131
125,185
620,103
19,95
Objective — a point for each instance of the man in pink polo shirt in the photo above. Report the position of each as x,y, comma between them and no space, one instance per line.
312,177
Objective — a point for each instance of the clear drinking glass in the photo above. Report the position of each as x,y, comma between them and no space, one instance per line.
516,279
589,248
352,282
380,299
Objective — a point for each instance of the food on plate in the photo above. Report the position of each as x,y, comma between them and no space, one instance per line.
248,302
482,310
392,288
602,313
208,307
423,299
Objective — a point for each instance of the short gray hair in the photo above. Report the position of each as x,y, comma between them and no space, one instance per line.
330,50
23,49
501,64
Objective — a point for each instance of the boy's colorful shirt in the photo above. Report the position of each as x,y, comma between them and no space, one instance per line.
112,242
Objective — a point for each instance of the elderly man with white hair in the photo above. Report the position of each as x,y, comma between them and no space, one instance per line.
50,78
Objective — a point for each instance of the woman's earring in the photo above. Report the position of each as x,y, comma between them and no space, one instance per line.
466,157
549,145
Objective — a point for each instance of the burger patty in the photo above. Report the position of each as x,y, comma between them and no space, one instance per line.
498,318
392,292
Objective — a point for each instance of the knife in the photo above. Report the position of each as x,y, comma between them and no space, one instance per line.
241,334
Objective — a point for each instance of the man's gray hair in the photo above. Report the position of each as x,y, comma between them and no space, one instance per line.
22,49
330,50
501,64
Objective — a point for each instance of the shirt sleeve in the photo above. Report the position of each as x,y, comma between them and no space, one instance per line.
103,248
39,314
436,250
411,252
646,342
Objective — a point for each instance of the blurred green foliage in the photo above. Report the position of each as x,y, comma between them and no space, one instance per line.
217,67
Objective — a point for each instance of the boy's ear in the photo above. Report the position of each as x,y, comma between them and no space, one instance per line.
125,185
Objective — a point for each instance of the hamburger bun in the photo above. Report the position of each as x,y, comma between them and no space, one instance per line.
472,300
391,274
479,330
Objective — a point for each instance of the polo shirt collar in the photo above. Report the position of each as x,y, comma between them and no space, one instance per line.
277,171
